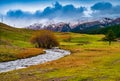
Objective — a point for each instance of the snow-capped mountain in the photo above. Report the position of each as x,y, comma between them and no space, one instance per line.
67,27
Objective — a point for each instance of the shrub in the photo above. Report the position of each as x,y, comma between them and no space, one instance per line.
44,39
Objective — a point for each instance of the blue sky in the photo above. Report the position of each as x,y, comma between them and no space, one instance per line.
56,10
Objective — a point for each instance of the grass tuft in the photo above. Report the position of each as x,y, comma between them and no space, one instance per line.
29,52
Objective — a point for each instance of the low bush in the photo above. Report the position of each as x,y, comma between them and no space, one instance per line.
44,39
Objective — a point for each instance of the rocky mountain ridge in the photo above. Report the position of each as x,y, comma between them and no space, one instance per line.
79,27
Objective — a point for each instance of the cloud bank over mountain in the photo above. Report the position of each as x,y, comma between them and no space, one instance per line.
56,11
59,12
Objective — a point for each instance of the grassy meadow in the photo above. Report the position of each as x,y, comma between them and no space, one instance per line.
91,59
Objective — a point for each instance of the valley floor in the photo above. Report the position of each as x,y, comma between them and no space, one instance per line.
91,60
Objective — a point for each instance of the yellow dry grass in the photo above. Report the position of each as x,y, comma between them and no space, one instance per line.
28,52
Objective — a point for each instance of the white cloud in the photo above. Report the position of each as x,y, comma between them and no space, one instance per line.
88,12
31,8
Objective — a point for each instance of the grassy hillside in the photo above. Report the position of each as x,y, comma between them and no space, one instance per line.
14,43
115,29
91,60
15,35
99,30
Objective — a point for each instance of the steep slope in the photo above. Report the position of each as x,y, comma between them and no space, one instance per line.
8,32
86,27
89,27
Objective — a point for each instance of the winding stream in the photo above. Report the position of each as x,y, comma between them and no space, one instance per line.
51,54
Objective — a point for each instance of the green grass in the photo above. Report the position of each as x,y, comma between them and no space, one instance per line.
13,41
91,60
15,36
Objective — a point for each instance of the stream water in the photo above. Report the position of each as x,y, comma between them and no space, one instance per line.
51,54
